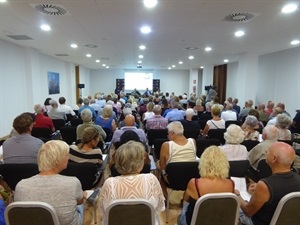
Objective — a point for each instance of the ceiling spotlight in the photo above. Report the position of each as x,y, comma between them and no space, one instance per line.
45,27
169,68
103,65
289,8
191,57
150,3
201,67
2,1
88,55
141,56
226,60
139,62
145,30
295,42
107,67
239,33
97,60
74,46
208,49
173,66
180,62
142,47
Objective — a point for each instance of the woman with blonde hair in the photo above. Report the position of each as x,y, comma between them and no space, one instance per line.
129,161
214,171
87,150
216,122
106,120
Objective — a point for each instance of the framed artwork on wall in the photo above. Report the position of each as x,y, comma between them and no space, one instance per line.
53,83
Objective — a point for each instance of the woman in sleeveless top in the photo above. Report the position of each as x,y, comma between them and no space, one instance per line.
216,122
214,170
106,120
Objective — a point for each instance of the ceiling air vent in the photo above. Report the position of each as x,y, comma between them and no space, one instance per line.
50,9
91,46
20,37
239,17
61,54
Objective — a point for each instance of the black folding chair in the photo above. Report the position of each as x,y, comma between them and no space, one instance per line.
68,134
154,134
249,144
217,134
58,123
157,146
202,144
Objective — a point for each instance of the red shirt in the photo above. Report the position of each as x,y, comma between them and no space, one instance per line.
43,121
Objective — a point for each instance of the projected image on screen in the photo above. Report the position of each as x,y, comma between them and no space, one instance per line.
140,81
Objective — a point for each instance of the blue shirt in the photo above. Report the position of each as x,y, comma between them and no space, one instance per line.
87,107
175,115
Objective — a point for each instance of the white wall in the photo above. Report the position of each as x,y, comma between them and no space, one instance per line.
170,80
232,80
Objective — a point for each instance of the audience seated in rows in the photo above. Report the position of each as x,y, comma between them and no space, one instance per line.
87,150
86,116
129,161
214,172
41,120
234,135
106,119
157,121
62,192
283,122
216,122
54,113
86,105
22,147
268,191
249,128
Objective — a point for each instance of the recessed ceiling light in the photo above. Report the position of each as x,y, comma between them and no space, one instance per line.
173,66
45,27
88,55
139,62
142,47
97,60
150,3
180,62
226,60
191,57
289,8
145,30
141,56
295,42
208,49
201,67
74,45
239,33
2,1
169,68
103,64
107,67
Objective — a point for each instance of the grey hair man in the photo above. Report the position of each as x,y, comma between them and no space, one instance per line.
54,112
86,105
259,152
229,114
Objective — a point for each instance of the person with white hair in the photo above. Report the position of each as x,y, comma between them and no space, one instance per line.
190,126
269,136
250,123
41,120
283,122
233,149
228,114
54,113
86,105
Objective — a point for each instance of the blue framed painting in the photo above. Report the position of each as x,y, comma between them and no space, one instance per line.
53,83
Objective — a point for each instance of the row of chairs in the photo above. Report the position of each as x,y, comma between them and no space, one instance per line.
217,208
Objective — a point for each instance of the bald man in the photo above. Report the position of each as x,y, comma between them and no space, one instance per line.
269,191
129,125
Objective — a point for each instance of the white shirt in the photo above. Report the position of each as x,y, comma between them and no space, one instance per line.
66,109
228,115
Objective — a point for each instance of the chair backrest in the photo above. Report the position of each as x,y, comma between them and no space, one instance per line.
41,132
154,134
75,122
228,122
216,208
88,174
109,134
68,134
13,173
264,170
30,212
287,210
191,134
58,123
180,173
238,168
157,146
202,144
130,211
217,134
249,144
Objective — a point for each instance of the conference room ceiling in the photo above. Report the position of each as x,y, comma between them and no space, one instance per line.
109,30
